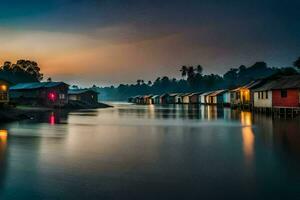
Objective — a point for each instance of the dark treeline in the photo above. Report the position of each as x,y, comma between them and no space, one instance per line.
193,80
23,71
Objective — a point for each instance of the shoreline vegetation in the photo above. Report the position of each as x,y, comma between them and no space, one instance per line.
193,79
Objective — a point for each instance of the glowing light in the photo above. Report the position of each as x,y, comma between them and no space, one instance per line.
52,96
3,88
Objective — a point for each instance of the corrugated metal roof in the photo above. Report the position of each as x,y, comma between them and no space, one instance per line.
286,82
36,85
80,91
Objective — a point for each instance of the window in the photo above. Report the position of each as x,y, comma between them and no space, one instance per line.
3,96
62,96
261,95
283,93
267,95
258,93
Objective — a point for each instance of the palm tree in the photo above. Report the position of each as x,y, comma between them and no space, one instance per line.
297,63
199,69
191,72
183,71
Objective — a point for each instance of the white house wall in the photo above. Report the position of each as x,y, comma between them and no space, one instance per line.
263,103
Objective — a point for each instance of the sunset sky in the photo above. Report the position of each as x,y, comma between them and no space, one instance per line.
113,41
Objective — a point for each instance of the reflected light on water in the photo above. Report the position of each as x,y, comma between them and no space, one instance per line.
246,118
3,136
52,119
151,111
248,136
3,139
248,142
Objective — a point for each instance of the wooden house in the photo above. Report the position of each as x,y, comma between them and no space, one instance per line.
156,99
136,99
50,94
185,98
243,96
164,98
174,98
203,97
147,99
215,97
283,92
194,98
4,92
84,95
226,98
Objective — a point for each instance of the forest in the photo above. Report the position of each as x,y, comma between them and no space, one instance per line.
193,80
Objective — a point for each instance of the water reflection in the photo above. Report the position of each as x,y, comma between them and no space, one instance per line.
248,136
148,152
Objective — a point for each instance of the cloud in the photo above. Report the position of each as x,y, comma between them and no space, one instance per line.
114,41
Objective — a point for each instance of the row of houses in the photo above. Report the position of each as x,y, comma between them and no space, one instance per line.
280,92
50,94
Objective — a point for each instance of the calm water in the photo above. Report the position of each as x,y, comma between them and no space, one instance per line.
147,152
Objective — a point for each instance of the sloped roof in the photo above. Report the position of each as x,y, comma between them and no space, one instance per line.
186,94
147,96
196,93
174,94
285,82
36,85
80,91
216,93
206,93
155,96
251,85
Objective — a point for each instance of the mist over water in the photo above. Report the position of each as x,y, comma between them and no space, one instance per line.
150,152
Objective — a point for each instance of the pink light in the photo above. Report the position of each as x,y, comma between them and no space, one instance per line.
52,96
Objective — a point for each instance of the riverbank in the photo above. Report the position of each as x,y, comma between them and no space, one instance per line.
10,113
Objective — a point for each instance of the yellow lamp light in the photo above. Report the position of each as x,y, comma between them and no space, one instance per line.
3,88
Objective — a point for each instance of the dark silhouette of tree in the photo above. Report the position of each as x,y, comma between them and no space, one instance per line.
6,66
49,79
190,72
184,71
196,81
199,69
297,63
21,71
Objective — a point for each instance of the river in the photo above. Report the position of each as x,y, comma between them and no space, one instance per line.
150,152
